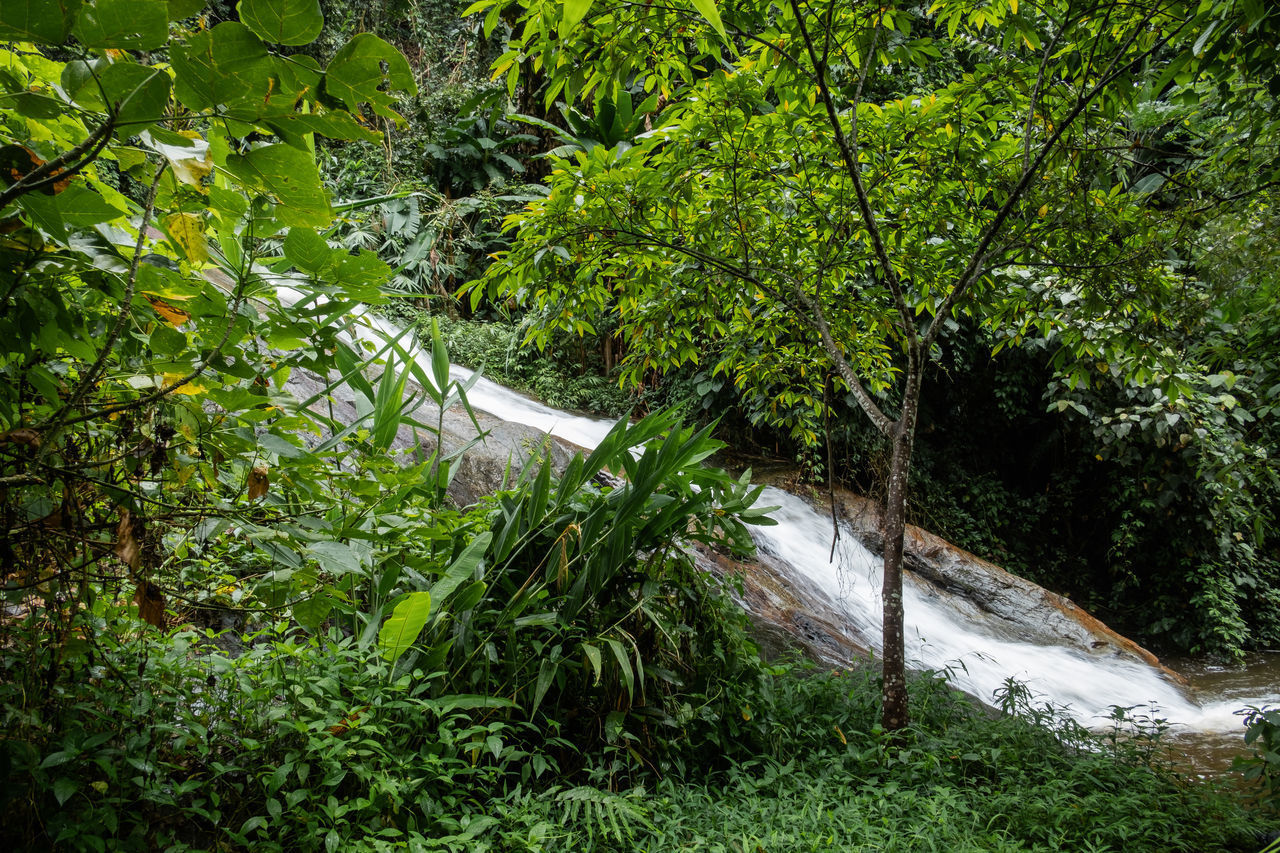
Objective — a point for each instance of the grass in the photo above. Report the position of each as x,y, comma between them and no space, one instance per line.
309,745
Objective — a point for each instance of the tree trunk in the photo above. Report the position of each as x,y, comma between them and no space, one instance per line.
895,714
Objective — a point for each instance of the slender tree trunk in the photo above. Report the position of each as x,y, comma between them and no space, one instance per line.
895,714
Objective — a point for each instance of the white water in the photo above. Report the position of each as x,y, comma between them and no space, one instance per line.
978,657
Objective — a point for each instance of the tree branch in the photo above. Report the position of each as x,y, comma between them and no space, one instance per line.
43,175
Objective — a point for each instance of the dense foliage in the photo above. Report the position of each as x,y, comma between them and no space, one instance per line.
835,205
241,609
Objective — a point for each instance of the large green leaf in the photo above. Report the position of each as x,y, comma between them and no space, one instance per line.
225,65
179,9
707,9
123,24
291,177
463,568
574,12
44,21
404,624
139,92
308,251
283,21
368,70
334,125
81,207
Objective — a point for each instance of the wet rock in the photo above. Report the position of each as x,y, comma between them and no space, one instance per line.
1006,604
788,614
490,452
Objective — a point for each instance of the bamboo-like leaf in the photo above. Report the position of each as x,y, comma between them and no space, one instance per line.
708,10
624,665
546,674
574,12
439,358
388,406
463,568
593,657
402,627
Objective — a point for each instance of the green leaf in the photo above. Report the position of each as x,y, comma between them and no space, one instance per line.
141,94
179,9
624,665
308,251
291,177
387,406
574,12
463,568
81,207
311,612
368,70
43,21
546,673
283,21
63,789
470,596
593,657
439,358
707,8
44,214
225,65
123,24
334,125
404,624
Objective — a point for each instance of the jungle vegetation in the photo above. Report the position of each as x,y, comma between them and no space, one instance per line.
890,243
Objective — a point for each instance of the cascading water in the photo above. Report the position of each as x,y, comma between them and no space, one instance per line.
978,654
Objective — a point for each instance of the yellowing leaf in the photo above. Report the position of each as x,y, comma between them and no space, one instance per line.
176,316
187,231
1043,211
190,389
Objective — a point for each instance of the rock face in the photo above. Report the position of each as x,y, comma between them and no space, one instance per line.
788,613
986,593
501,453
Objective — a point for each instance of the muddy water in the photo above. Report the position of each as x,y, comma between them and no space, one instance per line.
1222,691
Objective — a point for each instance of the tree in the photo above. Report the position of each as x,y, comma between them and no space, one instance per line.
819,202
147,162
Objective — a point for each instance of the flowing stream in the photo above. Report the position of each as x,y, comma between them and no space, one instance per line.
977,654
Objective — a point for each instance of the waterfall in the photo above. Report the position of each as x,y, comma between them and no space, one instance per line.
978,654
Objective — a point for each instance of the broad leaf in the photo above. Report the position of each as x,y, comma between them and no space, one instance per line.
290,176
43,21
308,251
225,65
574,12
367,70
139,92
463,568
123,24
707,8
283,21
404,624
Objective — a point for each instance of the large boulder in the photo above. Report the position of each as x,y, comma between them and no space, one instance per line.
497,451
